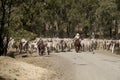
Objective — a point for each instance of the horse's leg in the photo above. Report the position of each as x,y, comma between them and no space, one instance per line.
42,51
77,49
39,51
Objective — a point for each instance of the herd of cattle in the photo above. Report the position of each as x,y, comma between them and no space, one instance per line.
48,45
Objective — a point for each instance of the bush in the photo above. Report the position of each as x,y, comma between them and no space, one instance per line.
23,34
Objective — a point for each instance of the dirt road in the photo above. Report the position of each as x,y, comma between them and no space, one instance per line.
80,66
88,66
69,66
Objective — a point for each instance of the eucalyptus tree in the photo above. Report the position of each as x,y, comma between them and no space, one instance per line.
5,7
105,14
83,11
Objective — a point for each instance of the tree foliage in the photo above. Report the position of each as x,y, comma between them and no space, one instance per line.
61,18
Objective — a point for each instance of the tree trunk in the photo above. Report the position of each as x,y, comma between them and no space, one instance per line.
68,31
6,45
1,46
101,33
9,12
110,31
116,29
3,2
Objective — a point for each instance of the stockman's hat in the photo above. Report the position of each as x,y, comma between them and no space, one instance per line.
77,34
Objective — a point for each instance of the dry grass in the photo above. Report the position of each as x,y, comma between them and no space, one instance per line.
12,69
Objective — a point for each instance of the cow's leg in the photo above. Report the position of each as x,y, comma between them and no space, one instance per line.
82,48
20,50
48,51
38,50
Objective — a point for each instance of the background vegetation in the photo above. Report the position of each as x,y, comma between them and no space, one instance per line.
59,18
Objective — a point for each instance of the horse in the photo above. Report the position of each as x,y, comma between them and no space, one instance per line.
42,48
77,45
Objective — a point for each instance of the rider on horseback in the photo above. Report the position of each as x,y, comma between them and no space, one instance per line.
77,42
77,36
